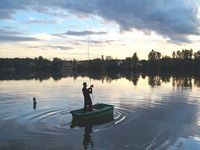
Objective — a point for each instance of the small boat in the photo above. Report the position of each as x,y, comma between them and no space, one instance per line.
99,111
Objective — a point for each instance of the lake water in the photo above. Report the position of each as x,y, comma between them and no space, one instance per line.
151,113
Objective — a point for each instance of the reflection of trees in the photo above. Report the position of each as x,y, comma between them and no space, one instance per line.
56,76
143,76
109,77
197,81
135,80
42,76
24,75
133,77
182,81
178,80
154,81
165,78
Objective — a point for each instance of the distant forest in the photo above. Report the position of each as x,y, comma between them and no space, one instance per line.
185,61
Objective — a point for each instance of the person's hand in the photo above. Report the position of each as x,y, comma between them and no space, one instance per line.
92,86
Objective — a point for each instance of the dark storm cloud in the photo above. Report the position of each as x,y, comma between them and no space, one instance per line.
83,33
173,19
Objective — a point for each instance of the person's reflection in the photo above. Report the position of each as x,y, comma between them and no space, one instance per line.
87,137
34,103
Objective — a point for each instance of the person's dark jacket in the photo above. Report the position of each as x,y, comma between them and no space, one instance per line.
86,93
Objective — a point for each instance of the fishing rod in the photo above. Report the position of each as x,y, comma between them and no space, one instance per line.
88,50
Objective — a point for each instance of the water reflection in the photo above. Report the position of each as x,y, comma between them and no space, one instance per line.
88,128
133,77
158,124
192,143
197,82
87,136
182,81
87,140
145,117
153,79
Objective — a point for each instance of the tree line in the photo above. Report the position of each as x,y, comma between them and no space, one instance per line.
180,61
38,64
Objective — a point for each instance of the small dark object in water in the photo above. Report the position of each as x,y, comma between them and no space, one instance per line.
34,100
34,103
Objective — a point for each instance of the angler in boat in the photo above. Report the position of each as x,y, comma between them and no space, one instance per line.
87,99
91,113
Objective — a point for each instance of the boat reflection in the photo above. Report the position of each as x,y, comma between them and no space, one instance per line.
88,135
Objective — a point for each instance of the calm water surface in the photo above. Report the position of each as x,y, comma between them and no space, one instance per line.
148,115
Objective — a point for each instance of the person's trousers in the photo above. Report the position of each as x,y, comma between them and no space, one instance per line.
87,105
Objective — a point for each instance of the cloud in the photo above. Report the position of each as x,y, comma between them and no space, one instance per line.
14,36
61,47
173,19
43,21
98,42
10,32
92,42
57,47
84,33
11,38
102,41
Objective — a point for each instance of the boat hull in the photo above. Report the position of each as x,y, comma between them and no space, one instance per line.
100,111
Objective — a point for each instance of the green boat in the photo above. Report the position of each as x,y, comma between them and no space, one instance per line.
99,111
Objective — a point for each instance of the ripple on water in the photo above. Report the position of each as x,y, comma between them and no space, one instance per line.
47,121
58,121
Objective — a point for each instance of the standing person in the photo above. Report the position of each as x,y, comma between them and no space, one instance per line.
87,99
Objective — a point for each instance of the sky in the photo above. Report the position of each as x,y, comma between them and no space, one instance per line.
117,28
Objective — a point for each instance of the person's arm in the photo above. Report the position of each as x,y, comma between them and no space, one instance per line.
90,90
